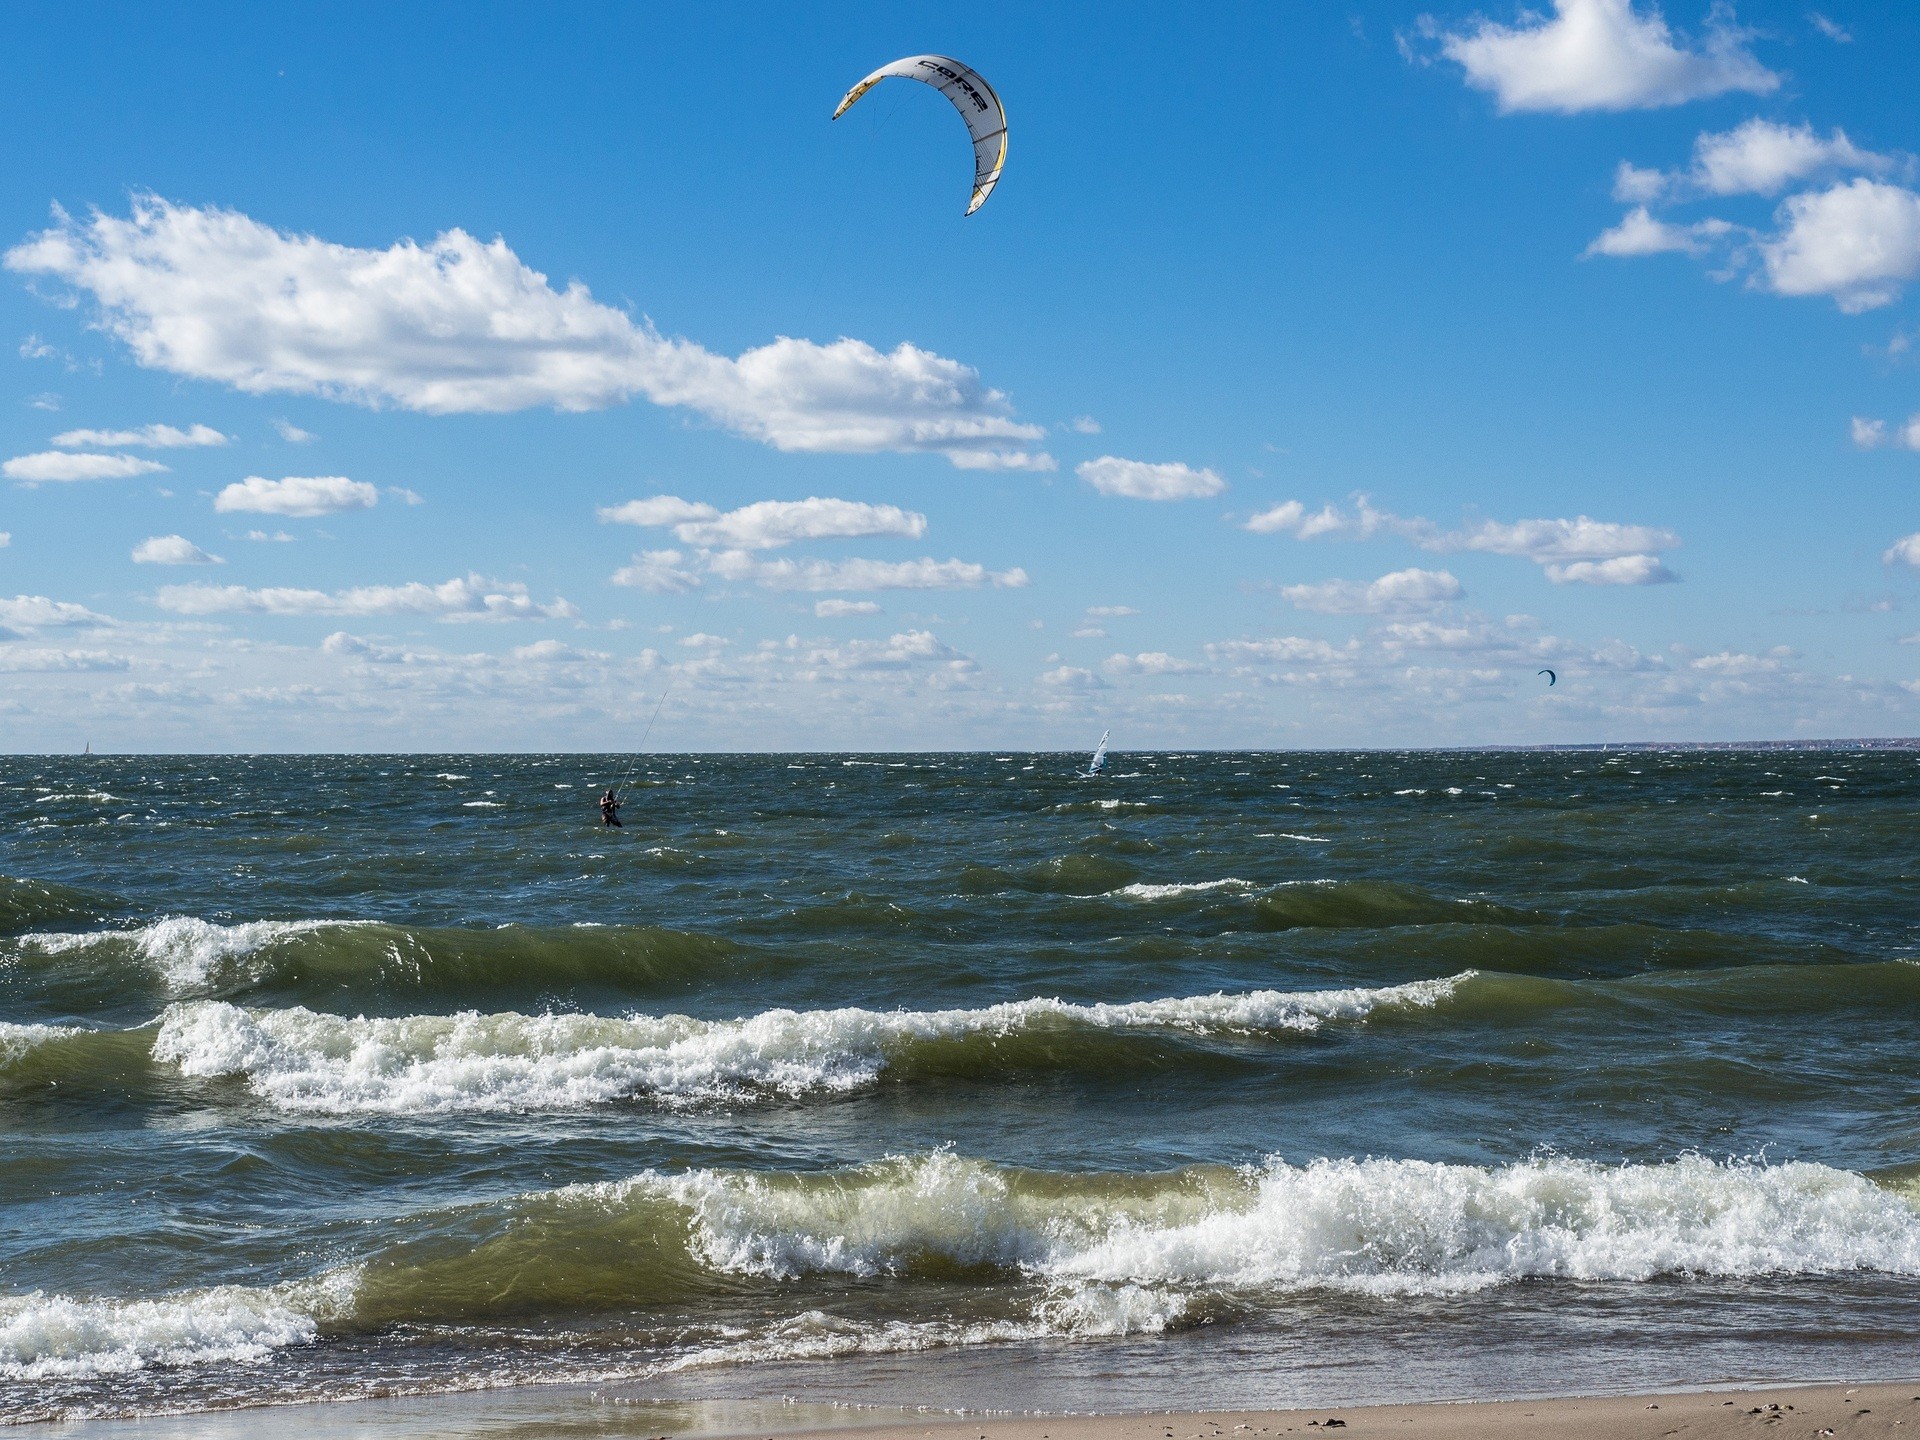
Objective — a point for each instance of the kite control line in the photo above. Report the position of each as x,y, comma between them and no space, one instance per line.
634,763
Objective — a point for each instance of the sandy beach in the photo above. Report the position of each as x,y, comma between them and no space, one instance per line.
1815,1411
1807,1412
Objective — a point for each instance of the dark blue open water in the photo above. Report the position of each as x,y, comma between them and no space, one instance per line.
1220,1079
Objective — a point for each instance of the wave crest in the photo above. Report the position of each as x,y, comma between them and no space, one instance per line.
1379,1226
418,1064
60,1337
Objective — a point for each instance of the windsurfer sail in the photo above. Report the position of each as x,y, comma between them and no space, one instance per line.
1099,762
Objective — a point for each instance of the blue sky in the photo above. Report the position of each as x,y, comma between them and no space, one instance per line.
1315,376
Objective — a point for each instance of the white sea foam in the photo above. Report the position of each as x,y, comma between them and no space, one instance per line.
306,1061
1170,892
818,1335
1132,1250
47,1337
185,950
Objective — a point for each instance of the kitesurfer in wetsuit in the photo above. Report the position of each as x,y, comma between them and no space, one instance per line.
610,808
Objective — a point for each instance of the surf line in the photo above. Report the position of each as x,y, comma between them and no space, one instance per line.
610,804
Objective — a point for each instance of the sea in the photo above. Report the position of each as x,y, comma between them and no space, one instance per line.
861,1085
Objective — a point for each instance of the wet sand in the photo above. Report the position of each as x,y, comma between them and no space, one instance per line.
1804,1413
1811,1412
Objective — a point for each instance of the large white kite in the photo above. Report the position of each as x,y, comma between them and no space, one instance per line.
971,95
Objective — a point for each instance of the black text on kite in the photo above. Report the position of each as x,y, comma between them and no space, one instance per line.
971,95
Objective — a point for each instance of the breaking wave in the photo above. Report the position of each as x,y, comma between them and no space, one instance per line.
1075,1254
418,1064
1382,1226
17,1040
59,1337
355,961
186,952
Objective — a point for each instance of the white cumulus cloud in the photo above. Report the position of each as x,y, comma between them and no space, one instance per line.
1761,157
460,325
1140,480
37,612
1876,434
172,550
298,496
1635,185
1290,517
1603,55
60,466
155,437
1151,662
844,609
1620,570
1277,650
1857,242
1544,541
1403,590
659,572
1641,233
1072,677
17,660
466,598
768,524
1905,551
861,574
1577,551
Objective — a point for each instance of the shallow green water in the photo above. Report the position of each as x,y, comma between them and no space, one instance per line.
858,1076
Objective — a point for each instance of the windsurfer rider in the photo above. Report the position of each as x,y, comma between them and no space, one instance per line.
610,808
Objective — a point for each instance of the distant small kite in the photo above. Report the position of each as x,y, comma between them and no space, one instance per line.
1552,679
971,95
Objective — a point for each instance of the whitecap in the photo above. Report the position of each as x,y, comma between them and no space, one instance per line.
305,1061
1389,1227
184,949
17,1039
1170,892
47,1337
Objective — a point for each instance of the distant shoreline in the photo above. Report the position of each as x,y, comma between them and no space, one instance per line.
1884,742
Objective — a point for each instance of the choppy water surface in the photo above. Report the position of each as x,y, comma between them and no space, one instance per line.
1214,1079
